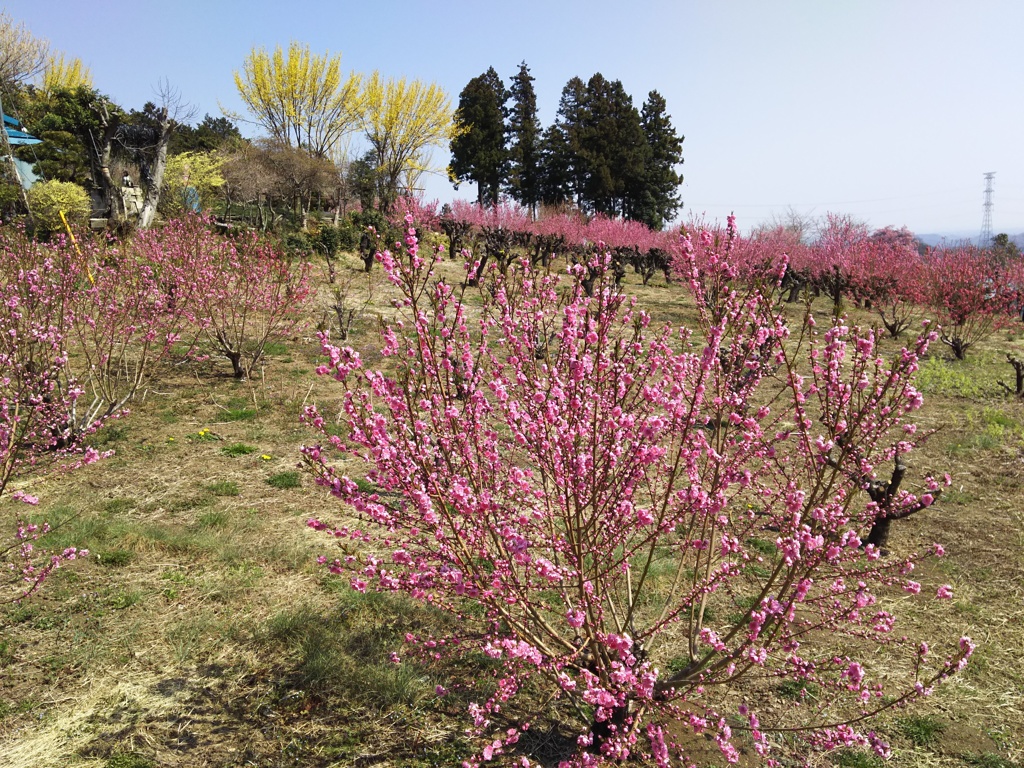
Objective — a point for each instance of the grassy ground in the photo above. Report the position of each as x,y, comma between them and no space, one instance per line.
201,632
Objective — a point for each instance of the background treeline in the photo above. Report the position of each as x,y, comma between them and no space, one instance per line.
600,154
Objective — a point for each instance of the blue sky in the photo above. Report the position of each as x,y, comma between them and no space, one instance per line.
889,110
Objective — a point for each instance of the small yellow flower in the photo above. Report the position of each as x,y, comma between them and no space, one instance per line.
266,457
170,439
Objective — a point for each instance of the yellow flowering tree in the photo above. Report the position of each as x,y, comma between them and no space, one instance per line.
403,120
300,98
61,74
191,179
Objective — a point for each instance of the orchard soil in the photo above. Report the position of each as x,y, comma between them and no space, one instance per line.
201,632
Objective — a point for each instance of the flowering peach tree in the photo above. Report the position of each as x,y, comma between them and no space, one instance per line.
36,404
651,526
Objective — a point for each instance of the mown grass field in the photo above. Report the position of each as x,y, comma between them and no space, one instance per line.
201,632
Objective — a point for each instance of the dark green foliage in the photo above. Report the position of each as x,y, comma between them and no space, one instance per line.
612,147
1003,249
211,134
655,197
524,135
363,181
328,240
68,121
604,156
10,199
297,243
478,153
562,169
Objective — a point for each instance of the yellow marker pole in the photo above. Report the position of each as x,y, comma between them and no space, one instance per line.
74,242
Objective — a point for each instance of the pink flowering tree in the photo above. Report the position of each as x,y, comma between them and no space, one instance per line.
458,220
122,320
650,526
36,403
887,275
241,291
964,288
425,213
837,248
555,235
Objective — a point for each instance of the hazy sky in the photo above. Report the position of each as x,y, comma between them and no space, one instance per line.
890,110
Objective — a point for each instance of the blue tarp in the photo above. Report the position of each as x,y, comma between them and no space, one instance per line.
18,138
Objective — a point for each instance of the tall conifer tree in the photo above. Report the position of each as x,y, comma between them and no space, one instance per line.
478,150
656,200
562,168
524,134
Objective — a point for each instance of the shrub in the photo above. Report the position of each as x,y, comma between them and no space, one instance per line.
48,198
583,492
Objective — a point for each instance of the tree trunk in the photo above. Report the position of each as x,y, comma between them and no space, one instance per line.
152,197
111,192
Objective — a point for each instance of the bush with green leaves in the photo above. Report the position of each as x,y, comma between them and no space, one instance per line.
48,198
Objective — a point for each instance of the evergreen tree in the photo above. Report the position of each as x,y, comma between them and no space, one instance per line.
478,151
562,171
212,133
68,122
524,133
612,147
655,199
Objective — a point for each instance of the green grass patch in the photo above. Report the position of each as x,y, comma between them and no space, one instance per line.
6,653
762,546
989,760
958,497
346,651
224,488
921,730
285,480
115,558
798,690
365,485
948,378
856,758
213,519
275,348
185,503
110,434
240,414
238,449
124,599
119,506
